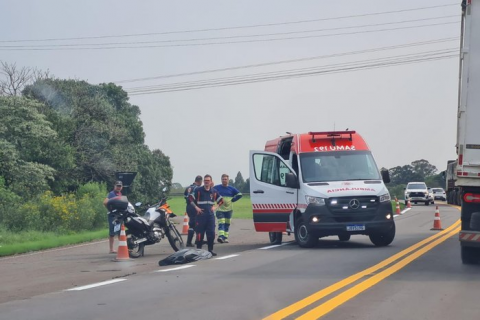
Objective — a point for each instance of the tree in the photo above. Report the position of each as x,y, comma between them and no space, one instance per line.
15,79
97,121
403,175
418,170
246,187
423,168
239,182
30,149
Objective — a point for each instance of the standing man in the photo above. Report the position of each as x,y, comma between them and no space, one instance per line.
225,211
116,192
205,200
192,213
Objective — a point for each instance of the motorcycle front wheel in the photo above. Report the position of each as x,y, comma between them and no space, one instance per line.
175,238
134,250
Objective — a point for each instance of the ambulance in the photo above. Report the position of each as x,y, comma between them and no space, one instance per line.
320,184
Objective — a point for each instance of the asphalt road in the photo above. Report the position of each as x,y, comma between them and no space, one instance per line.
419,276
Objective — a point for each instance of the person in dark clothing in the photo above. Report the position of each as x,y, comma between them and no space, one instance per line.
191,212
116,192
205,200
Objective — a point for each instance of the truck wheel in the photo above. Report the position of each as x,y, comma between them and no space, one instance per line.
344,237
383,239
427,203
475,221
275,237
470,255
304,238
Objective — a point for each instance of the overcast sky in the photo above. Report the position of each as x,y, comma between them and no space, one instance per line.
404,104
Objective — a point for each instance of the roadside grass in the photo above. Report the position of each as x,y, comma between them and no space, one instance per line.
22,242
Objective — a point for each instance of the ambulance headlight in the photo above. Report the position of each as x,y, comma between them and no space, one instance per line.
385,197
315,200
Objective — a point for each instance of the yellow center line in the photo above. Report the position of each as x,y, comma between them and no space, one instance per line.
285,312
333,303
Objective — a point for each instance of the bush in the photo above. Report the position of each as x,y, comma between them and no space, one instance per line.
61,214
9,201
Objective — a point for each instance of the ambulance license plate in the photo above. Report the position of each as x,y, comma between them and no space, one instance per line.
116,227
356,227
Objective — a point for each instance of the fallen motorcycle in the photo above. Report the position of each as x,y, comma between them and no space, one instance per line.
150,229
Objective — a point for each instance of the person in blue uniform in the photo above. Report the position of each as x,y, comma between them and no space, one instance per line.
191,212
205,200
224,212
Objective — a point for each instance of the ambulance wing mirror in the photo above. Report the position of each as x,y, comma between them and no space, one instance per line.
292,181
385,176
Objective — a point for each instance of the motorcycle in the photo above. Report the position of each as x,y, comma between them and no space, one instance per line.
154,226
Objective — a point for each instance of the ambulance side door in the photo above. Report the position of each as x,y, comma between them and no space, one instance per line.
272,200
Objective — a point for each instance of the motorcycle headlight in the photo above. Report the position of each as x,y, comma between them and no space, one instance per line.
130,208
385,197
315,200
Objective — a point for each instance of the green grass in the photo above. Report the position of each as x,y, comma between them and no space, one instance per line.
242,209
23,242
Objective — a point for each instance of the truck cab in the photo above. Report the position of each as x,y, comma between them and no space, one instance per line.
320,184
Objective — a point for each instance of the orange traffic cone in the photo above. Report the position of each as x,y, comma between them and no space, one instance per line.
437,224
185,224
409,205
397,207
122,251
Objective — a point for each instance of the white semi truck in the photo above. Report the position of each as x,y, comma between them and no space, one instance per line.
467,182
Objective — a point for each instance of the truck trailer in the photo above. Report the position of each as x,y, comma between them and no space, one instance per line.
467,182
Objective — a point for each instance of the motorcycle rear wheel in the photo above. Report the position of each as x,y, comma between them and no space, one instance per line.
134,250
175,238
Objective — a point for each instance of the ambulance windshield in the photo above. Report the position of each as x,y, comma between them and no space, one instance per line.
338,166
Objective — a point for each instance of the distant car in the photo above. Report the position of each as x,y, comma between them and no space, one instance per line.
430,196
418,192
439,193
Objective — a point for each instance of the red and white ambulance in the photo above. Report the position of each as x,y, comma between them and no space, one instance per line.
320,184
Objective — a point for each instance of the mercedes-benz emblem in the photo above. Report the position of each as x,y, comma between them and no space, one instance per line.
354,204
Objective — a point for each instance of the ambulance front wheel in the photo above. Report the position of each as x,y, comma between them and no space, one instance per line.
383,239
275,237
304,238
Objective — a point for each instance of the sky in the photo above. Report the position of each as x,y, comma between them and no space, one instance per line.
215,79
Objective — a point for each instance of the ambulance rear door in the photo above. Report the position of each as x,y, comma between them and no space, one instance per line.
272,200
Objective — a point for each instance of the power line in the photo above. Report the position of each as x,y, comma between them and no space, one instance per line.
236,27
296,73
290,71
293,60
34,48
230,37
300,76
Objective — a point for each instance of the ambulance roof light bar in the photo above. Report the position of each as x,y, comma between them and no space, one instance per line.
332,134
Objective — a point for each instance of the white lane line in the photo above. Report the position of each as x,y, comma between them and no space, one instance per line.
405,210
177,268
94,285
274,246
227,257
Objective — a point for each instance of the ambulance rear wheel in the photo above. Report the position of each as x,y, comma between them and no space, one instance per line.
275,237
304,238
